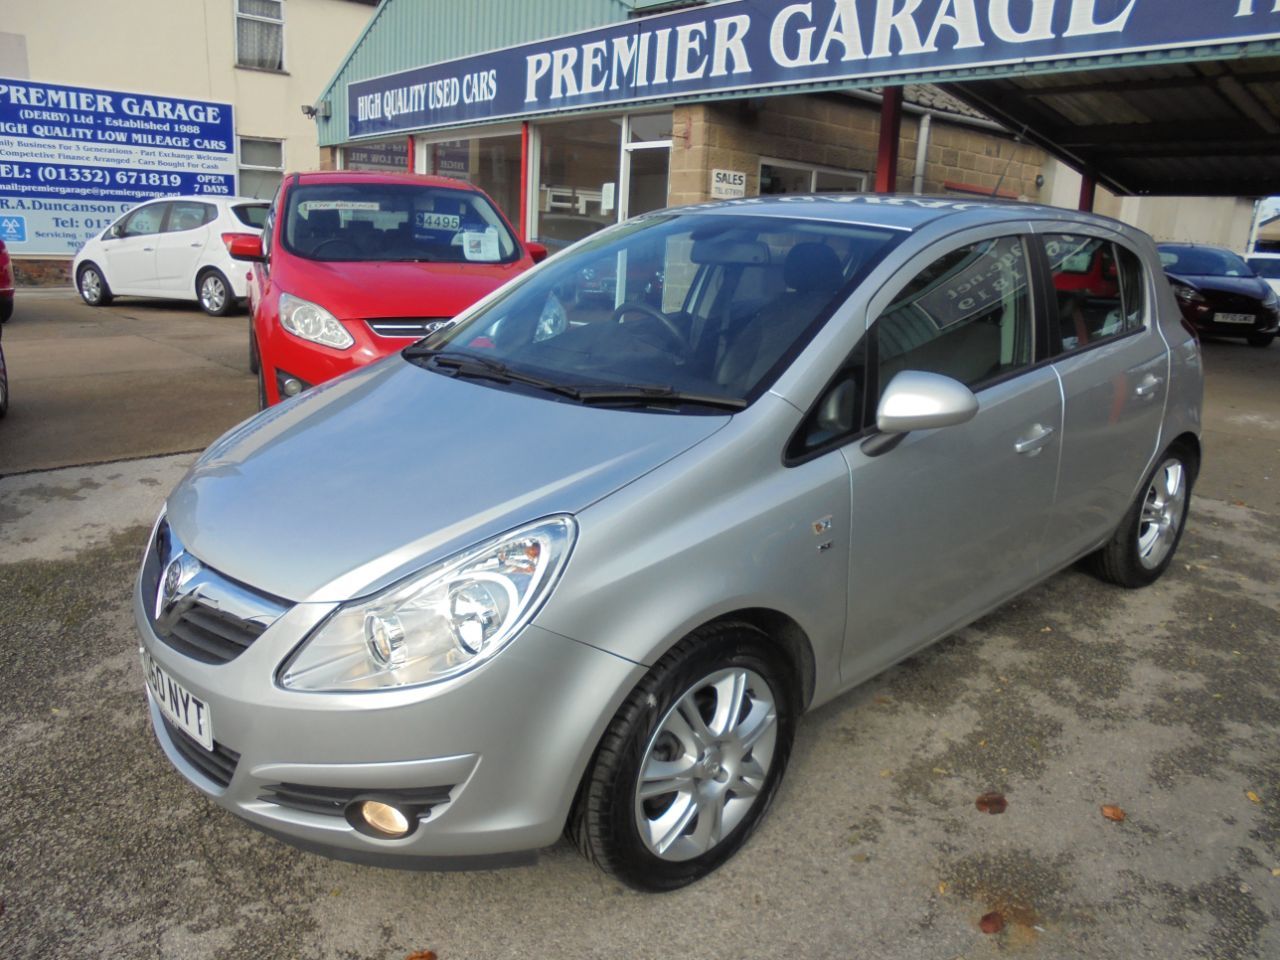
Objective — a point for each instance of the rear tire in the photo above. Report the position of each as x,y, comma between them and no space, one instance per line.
262,389
216,297
1144,544
93,286
1261,339
713,720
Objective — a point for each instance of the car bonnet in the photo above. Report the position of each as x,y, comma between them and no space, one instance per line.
372,476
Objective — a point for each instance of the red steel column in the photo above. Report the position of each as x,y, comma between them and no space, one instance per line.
1088,192
890,138
410,159
522,221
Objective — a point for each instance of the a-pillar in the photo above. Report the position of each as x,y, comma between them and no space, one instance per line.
890,138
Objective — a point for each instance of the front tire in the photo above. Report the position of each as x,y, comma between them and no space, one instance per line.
1261,339
1146,540
93,286
215,294
691,761
255,362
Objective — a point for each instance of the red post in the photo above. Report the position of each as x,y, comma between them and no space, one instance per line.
1088,192
409,155
890,138
522,220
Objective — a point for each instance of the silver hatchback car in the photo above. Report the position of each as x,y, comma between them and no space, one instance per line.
573,566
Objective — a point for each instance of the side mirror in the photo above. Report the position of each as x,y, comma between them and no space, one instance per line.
537,251
244,246
915,400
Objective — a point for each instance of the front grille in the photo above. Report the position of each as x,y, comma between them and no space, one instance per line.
218,765
333,801
215,619
416,327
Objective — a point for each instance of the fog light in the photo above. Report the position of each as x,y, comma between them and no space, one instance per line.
289,385
292,387
386,819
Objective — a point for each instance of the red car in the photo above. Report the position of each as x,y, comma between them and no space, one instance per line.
6,284
352,266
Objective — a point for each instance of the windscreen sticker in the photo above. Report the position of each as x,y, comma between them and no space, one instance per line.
436,221
306,206
481,246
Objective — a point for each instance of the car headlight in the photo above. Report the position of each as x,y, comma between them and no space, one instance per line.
1271,300
1187,294
313,322
440,622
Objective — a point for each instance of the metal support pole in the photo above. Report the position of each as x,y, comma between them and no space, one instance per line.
890,138
522,222
1088,192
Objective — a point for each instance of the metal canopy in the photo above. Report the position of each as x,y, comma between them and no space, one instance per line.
1200,128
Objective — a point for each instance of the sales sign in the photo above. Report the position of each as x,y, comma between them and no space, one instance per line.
73,159
758,45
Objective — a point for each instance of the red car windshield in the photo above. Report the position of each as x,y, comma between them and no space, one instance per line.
396,222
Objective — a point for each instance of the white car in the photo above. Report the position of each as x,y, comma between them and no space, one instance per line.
172,247
1267,266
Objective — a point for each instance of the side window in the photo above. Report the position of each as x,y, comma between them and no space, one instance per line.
1098,287
145,220
838,414
188,215
966,316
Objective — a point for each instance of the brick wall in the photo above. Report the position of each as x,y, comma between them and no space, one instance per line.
838,132
42,273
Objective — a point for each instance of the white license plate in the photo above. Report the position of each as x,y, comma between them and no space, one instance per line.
1234,318
183,708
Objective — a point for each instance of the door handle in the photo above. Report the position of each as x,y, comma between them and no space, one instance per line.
1148,387
197,244
148,249
1032,445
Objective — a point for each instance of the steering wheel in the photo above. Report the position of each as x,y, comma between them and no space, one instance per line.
315,251
653,313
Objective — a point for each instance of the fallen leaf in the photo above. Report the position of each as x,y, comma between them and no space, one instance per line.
943,887
1047,630
422,955
1113,813
883,700
859,858
939,771
992,803
993,922
1275,872
982,743
1245,888
1253,797
886,773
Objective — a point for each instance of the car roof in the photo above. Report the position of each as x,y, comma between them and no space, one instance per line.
204,198
378,176
896,211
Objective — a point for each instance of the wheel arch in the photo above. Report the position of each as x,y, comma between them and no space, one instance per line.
1190,442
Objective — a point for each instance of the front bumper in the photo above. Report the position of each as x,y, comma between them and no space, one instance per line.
509,741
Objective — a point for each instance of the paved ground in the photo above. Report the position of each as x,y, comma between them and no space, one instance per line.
1162,702
141,378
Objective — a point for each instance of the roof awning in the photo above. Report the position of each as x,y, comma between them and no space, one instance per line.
1207,128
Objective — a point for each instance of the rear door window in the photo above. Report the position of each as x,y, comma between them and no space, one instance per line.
145,220
188,215
1098,291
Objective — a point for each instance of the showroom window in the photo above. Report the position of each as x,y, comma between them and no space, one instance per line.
781,176
388,155
260,34
491,162
261,167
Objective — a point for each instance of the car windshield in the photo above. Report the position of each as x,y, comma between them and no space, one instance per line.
1204,262
397,222
702,307
251,214
1266,267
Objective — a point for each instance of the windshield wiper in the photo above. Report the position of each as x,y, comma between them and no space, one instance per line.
482,368
625,394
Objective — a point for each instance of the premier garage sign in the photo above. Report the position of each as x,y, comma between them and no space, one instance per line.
73,159
757,45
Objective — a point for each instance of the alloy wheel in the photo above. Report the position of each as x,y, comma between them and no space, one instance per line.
1162,513
91,286
213,294
706,764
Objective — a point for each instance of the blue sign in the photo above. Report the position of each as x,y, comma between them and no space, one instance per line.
72,159
763,44
13,229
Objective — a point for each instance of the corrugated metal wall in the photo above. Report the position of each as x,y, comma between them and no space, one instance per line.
411,33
